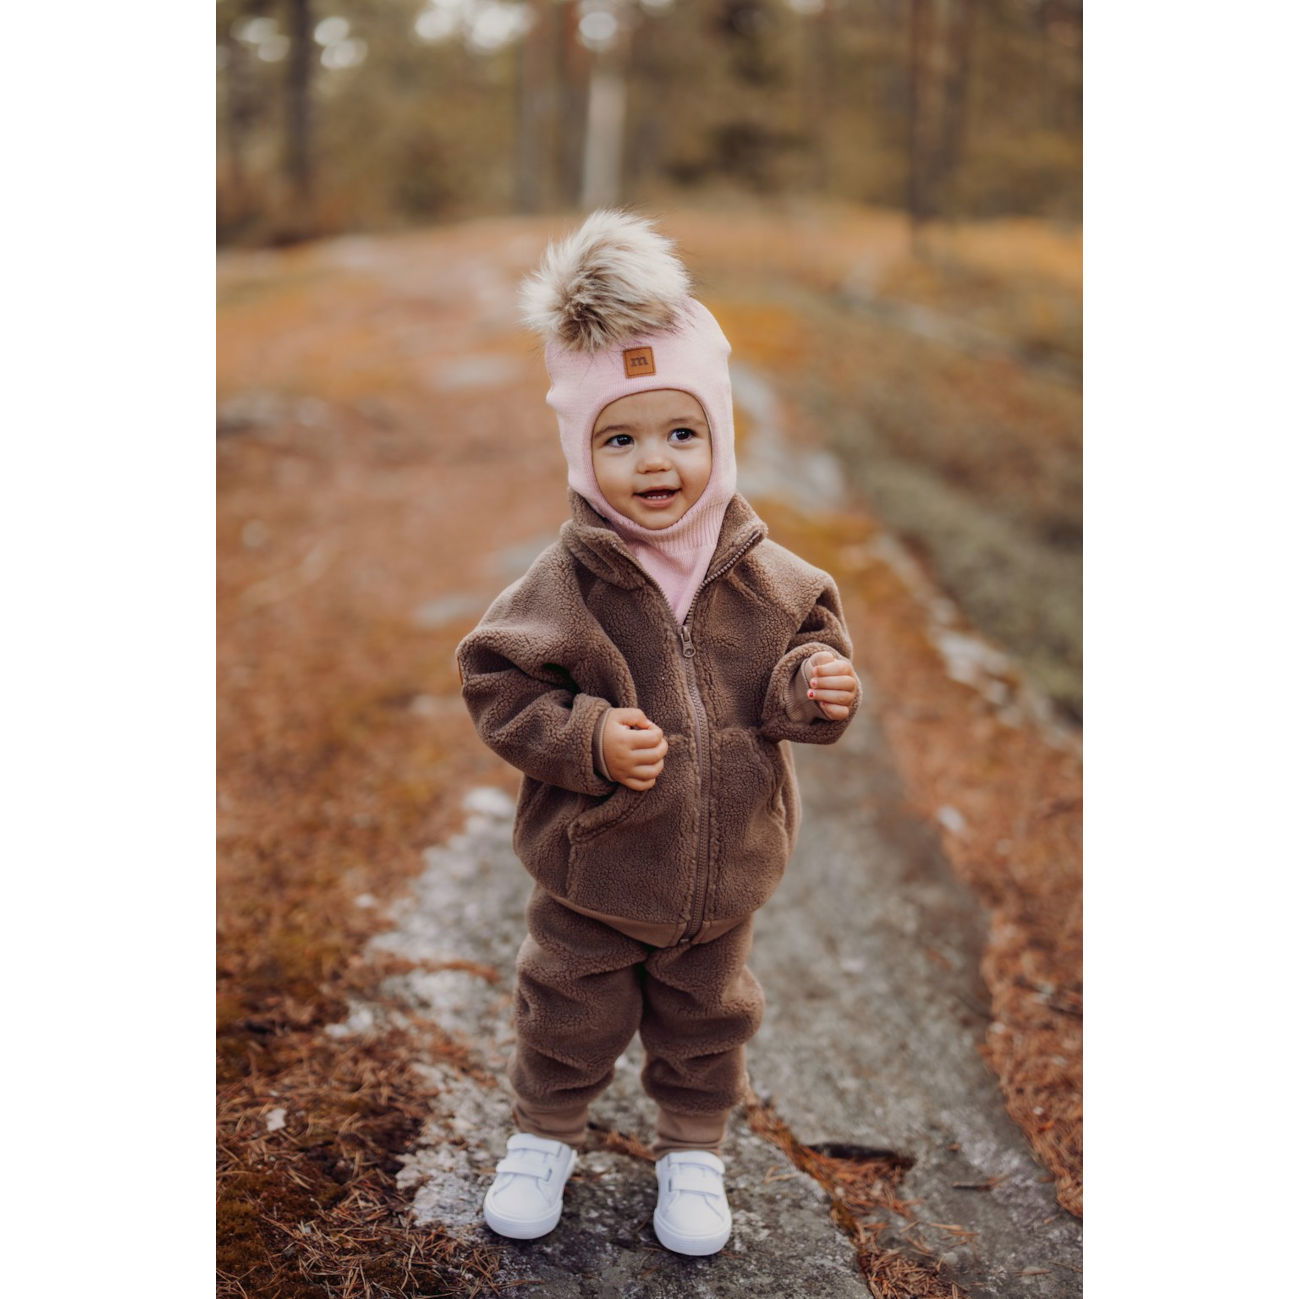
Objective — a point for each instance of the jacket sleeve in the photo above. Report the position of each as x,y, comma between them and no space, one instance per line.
822,629
538,722
799,707
598,755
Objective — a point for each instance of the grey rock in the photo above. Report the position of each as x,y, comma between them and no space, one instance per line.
783,1244
869,956
810,479
487,371
448,608
513,561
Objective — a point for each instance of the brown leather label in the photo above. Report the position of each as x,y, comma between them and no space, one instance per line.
637,361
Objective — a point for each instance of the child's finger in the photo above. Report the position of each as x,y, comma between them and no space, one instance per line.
839,697
834,683
646,739
835,712
833,667
848,684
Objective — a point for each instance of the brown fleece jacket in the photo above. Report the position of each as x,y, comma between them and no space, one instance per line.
797,703
586,629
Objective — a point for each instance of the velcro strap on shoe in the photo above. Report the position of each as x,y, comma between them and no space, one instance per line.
696,1177
517,1163
525,1141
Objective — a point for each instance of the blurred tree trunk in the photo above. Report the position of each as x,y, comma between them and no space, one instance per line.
570,76
938,92
606,116
951,142
534,112
817,95
918,171
235,115
298,160
647,76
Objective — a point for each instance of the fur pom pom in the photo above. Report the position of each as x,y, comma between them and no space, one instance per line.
613,278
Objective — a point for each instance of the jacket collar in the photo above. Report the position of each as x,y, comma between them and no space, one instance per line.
595,544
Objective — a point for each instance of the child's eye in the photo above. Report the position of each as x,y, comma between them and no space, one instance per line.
689,433
619,440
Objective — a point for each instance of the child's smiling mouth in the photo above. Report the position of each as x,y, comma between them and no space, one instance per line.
658,495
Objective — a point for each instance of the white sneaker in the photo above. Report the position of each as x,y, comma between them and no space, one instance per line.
692,1215
527,1197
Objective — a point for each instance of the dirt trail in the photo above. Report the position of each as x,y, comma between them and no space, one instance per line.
393,467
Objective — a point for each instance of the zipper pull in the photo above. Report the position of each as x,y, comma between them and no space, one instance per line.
687,645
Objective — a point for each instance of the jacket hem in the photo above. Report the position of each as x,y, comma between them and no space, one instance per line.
655,933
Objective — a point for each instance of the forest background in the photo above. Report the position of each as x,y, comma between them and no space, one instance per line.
346,114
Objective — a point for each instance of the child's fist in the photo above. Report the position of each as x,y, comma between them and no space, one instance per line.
633,748
834,684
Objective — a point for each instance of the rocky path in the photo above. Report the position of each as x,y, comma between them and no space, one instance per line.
869,957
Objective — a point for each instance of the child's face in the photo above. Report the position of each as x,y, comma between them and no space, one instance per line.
652,455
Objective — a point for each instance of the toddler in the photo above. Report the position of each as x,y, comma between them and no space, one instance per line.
645,676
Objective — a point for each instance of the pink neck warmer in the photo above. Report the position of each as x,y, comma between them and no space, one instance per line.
690,358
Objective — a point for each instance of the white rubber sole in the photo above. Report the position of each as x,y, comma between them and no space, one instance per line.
521,1228
696,1245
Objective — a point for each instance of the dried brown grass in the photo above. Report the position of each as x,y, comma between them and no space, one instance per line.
860,1188
329,784
310,1209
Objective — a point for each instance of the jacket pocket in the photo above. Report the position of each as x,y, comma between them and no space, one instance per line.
633,854
753,822
541,824
603,815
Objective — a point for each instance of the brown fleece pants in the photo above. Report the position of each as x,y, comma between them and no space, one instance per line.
584,988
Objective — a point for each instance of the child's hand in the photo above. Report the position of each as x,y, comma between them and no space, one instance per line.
834,684
633,748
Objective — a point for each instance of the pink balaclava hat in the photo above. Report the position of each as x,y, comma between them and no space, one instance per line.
613,304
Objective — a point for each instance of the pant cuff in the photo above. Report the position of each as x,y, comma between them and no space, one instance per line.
677,1131
568,1124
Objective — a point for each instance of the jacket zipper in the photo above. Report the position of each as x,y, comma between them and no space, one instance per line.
700,890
